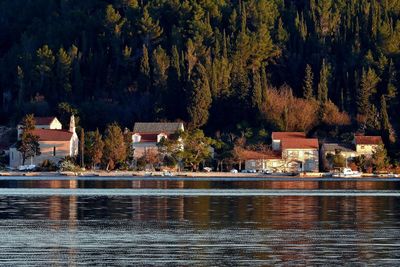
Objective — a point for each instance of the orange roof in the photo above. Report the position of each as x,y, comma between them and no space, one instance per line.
285,135
53,135
368,140
300,143
44,120
251,154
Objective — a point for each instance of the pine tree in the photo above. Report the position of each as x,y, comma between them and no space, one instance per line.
256,97
63,70
160,65
149,30
323,86
386,127
308,83
114,21
199,98
175,62
369,82
44,67
264,85
144,70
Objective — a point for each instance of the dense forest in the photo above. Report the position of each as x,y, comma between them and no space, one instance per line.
321,66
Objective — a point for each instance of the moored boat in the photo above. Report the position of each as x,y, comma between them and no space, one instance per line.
347,173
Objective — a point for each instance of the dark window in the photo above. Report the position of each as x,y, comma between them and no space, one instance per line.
54,151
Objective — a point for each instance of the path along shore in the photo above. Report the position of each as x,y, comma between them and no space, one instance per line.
174,174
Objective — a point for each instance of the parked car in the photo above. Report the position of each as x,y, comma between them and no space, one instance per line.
167,173
234,171
27,167
249,171
207,169
267,171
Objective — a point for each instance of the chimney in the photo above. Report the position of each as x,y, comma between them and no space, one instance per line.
72,124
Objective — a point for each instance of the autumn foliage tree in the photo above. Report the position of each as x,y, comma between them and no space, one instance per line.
94,146
114,146
28,143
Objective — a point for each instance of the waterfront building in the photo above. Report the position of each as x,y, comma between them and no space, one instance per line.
146,135
55,143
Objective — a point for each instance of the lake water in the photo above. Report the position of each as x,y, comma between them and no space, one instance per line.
190,222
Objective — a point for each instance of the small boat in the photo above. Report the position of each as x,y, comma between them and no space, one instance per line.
347,173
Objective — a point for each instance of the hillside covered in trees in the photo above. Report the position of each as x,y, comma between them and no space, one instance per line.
326,66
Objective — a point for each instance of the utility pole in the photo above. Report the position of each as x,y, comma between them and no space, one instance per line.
82,148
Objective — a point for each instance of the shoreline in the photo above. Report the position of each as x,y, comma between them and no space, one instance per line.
143,174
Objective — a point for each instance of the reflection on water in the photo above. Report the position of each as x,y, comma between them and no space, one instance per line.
202,184
205,230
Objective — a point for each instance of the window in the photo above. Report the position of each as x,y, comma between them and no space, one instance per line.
12,155
136,138
160,137
54,151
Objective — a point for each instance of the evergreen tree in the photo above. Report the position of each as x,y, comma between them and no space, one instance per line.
369,82
308,83
199,98
144,71
323,86
63,70
44,68
256,97
386,128
149,30
264,85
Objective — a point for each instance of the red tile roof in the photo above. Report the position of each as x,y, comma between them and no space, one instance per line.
44,120
53,135
284,135
254,155
368,140
299,143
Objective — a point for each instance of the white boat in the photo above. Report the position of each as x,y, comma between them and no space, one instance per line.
347,173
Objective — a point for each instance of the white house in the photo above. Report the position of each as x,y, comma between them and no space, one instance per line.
146,135
55,143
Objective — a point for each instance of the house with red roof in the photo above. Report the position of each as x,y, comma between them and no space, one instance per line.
291,152
301,154
362,145
55,143
146,135
367,145
278,136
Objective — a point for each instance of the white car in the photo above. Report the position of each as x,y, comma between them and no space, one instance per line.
207,169
267,171
167,173
234,171
26,167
